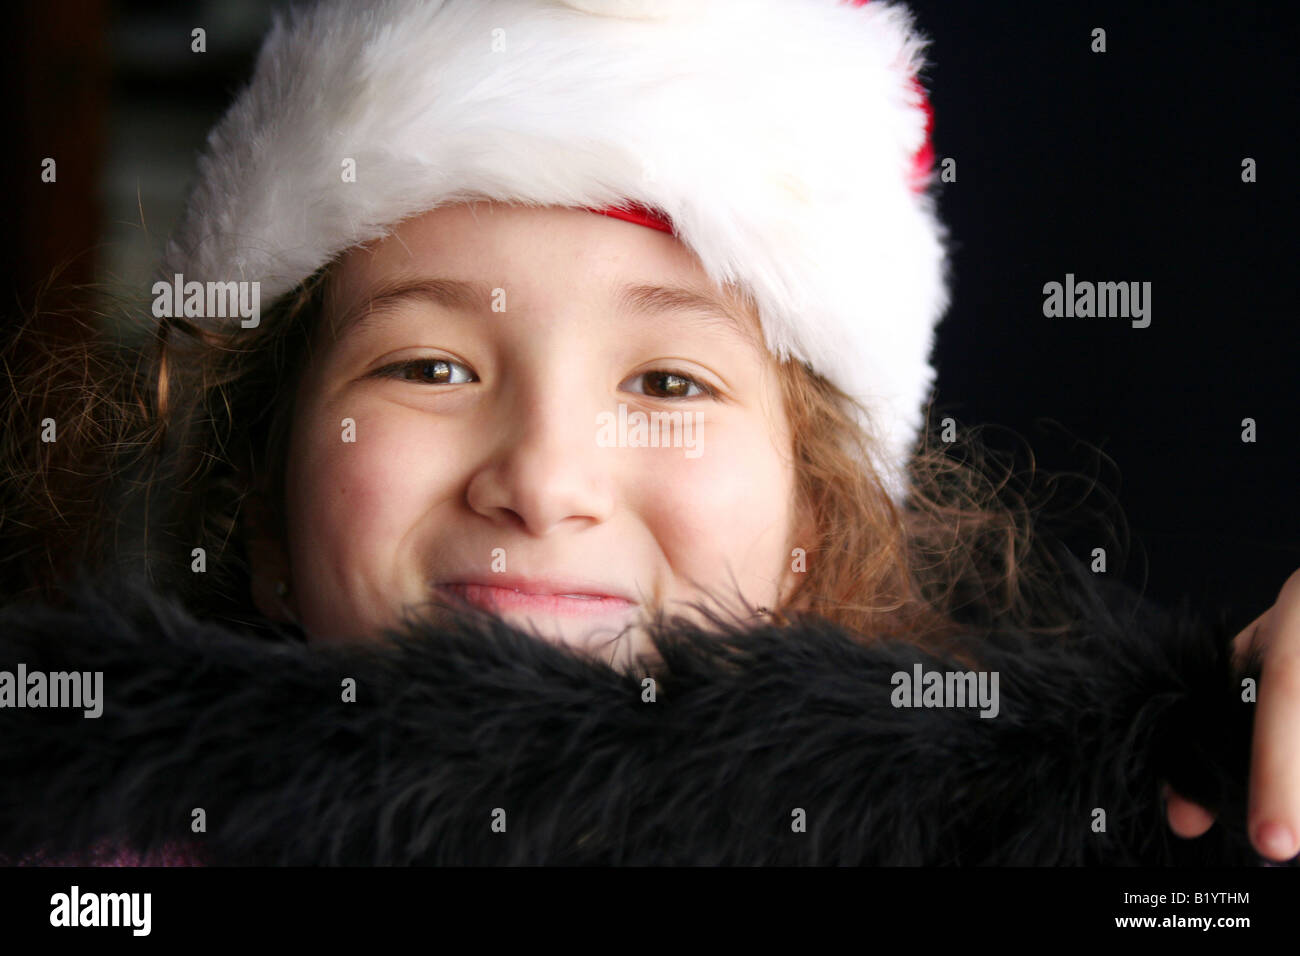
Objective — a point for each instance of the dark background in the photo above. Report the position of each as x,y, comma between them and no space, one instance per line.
1127,166
1115,166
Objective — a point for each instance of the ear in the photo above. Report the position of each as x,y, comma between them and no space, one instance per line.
268,564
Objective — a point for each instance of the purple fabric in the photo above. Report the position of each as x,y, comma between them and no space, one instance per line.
107,853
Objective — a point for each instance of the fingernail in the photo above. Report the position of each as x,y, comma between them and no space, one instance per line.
1275,840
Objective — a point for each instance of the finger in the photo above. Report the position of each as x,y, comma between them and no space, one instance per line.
1275,749
1243,642
1186,819
1257,633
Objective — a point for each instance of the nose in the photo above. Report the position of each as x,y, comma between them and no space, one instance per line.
544,469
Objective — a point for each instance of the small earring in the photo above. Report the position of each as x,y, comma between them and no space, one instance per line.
281,589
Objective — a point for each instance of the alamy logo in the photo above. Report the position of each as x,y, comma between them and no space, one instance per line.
102,909
198,300
923,688
77,689
1086,300
656,430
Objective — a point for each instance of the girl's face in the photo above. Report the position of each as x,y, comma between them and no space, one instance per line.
491,419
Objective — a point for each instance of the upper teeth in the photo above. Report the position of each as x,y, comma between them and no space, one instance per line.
581,597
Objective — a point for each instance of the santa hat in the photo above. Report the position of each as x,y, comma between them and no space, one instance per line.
784,142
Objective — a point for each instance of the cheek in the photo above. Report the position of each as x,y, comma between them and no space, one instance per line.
351,506
727,516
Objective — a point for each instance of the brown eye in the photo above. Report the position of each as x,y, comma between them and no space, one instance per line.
662,383
431,371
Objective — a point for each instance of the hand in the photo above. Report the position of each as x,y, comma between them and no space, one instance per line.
1273,818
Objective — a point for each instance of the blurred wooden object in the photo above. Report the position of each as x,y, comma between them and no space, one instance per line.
56,103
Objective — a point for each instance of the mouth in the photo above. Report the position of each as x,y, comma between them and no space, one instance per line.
555,599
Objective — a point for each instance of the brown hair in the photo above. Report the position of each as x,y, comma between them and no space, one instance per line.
960,551
165,445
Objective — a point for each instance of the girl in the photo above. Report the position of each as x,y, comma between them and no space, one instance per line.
573,463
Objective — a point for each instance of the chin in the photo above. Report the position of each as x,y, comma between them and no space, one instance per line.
580,635
616,642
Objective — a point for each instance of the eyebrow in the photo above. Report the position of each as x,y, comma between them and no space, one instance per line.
465,296
652,300
452,294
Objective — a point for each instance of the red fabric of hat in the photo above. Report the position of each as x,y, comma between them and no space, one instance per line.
639,214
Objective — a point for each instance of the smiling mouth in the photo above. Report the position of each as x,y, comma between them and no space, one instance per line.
501,599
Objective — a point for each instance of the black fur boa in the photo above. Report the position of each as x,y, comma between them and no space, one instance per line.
453,722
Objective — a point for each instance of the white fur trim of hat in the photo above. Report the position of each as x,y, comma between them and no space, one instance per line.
779,137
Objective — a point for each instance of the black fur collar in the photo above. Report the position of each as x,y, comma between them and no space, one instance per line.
458,726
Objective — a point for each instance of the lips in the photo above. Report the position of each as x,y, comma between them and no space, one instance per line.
500,593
